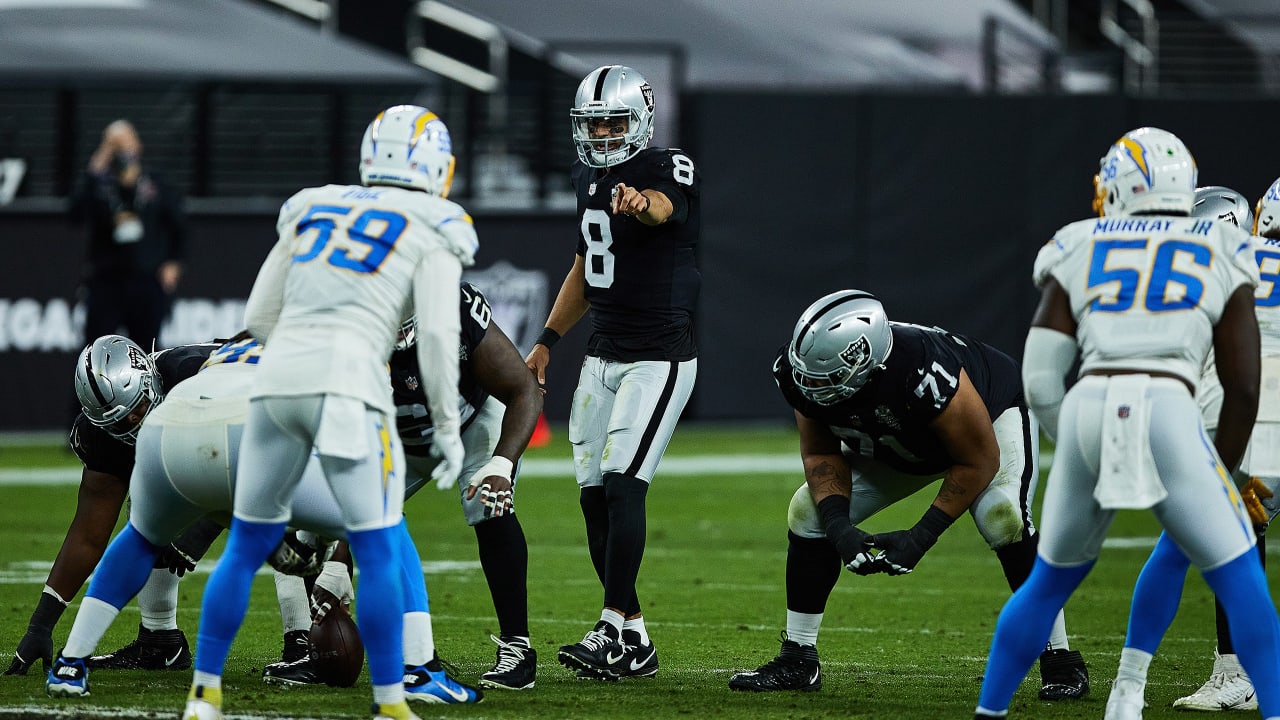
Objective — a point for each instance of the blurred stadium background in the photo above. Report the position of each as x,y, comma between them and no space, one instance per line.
921,149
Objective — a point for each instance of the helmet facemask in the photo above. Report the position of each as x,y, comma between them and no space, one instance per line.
612,94
117,385
1266,214
840,342
408,334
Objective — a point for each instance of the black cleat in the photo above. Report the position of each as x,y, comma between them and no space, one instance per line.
296,647
600,651
293,674
152,650
516,666
640,661
795,668
1063,675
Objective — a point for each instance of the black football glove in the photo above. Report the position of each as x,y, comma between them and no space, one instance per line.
852,543
37,644
901,550
292,556
175,561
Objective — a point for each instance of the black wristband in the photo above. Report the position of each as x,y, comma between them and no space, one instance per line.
548,338
934,522
834,510
647,204
47,613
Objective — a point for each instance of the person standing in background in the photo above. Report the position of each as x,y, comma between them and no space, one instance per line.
137,240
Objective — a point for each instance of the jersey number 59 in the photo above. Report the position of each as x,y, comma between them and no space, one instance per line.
372,232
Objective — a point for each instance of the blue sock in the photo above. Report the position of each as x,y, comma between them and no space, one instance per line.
414,585
380,602
1023,629
123,569
1157,593
226,595
1241,587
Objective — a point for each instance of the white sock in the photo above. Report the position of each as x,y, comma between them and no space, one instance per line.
1133,665
803,628
388,694
637,625
92,621
158,600
419,640
613,618
204,679
295,608
1058,636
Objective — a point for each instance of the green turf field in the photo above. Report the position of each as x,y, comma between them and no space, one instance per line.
712,585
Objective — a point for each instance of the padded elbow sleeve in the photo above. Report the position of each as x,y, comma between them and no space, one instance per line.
1046,360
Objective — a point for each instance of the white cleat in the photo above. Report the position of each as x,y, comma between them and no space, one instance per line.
201,710
1228,688
1126,700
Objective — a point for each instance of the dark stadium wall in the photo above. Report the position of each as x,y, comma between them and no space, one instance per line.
938,204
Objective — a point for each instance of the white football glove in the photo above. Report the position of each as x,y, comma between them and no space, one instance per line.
495,496
447,448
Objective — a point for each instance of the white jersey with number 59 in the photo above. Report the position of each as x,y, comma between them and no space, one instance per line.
1146,291
352,263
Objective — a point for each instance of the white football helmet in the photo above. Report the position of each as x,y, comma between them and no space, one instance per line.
408,146
837,344
1223,203
114,378
1148,170
612,92
1267,214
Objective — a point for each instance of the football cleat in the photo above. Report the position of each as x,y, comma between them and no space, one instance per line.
152,650
640,661
398,711
69,677
292,674
435,686
1228,688
296,646
1126,701
600,651
203,704
516,666
1063,675
795,668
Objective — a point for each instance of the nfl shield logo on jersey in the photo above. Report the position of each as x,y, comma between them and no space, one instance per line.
1123,412
411,382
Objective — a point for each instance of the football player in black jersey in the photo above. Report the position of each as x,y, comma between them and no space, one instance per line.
499,407
117,384
638,227
885,409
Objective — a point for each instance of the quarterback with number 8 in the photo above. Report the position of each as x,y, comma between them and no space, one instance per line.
638,225
352,264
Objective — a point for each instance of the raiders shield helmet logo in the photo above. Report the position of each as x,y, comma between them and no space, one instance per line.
858,354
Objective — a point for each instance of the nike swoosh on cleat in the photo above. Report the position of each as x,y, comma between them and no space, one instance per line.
610,659
459,695
816,673
173,659
637,664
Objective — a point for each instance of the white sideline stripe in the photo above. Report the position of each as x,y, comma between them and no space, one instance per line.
43,711
677,465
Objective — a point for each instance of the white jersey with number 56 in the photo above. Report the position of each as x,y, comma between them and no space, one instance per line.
1146,291
351,264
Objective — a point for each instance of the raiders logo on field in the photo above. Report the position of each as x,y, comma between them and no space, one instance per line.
517,297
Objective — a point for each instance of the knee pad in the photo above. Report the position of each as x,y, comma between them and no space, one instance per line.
1001,524
802,515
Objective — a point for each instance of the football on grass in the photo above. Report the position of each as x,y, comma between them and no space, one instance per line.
336,650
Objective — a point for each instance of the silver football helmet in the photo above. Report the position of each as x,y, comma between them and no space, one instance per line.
408,146
1147,170
117,384
1223,203
839,341
612,93
408,334
1267,215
